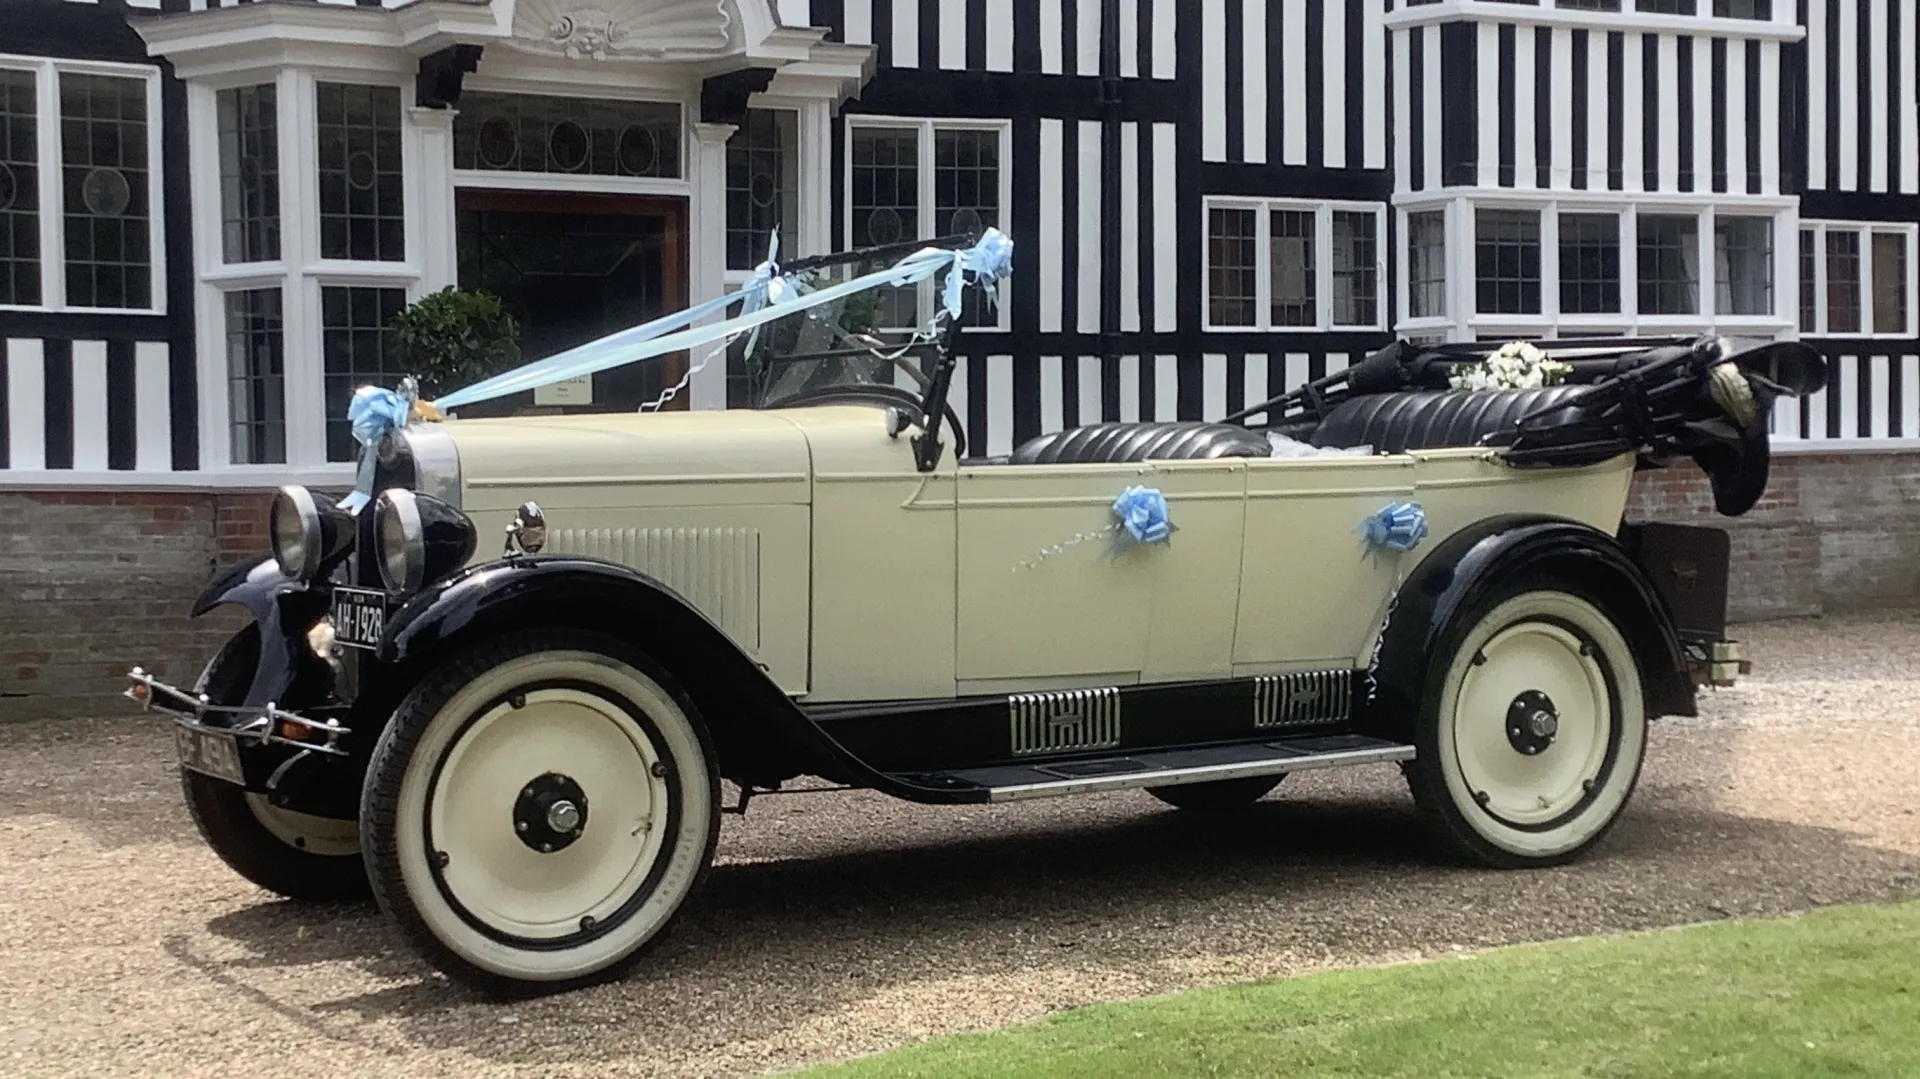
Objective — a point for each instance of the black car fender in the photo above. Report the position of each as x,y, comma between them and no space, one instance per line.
283,609
1455,576
762,736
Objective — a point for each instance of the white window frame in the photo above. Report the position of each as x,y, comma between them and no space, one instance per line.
1467,322
512,180
300,273
52,191
1866,230
1323,212
926,127
813,154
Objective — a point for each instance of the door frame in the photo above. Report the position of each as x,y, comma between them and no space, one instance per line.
675,247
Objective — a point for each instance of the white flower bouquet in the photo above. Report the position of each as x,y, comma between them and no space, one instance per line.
1517,365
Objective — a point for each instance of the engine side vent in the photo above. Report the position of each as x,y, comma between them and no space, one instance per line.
1302,698
715,569
1066,721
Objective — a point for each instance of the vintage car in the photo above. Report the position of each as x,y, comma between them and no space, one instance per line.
520,751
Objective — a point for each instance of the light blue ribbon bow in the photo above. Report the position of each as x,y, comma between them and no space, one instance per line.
373,412
1143,515
989,260
1399,527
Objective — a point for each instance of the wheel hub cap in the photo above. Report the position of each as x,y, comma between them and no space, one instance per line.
1532,723
551,813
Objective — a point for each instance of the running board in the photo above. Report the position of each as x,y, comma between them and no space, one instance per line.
1159,768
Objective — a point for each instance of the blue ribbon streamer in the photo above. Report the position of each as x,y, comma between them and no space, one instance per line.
1399,527
768,296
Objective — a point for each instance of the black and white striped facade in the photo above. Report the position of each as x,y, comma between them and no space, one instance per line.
1120,129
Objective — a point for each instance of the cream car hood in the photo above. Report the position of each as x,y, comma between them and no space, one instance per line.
705,458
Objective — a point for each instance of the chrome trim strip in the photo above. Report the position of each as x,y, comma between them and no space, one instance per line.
1172,777
1065,721
436,461
1302,698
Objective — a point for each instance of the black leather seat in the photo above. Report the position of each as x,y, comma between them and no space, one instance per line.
1396,422
1107,443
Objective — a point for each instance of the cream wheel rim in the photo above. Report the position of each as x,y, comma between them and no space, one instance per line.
497,877
1533,724
302,831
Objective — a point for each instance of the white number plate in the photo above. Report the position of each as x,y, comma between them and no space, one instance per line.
213,753
359,617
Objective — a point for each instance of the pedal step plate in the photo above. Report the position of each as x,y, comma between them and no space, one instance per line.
1172,767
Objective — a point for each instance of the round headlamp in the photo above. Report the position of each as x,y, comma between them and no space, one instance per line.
294,523
401,540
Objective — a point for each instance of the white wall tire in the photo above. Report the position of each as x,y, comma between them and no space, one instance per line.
1532,731
539,810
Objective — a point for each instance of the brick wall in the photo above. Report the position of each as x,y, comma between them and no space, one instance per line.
1834,532
98,582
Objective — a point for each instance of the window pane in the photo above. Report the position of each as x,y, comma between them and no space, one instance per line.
1589,5
1356,289
1293,266
19,190
361,216
1427,264
249,174
356,348
886,200
966,198
1665,7
1743,265
1507,262
584,135
1589,264
1232,267
1809,282
103,146
1743,9
1843,282
763,188
256,377
1889,283
1669,264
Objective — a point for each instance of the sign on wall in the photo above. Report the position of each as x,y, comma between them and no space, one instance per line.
572,391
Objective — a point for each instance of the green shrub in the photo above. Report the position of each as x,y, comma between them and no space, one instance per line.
454,338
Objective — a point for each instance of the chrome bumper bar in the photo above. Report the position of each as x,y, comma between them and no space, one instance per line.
264,726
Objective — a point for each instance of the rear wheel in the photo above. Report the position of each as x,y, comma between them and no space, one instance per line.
1532,733
290,854
1219,796
539,810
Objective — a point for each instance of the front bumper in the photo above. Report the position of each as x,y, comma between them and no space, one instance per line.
268,725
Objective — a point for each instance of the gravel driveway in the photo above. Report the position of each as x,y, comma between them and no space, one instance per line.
840,924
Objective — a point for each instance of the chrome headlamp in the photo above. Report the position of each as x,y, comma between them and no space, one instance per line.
293,522
418,539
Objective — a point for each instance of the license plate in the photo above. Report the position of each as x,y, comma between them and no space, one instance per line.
213,753
359,617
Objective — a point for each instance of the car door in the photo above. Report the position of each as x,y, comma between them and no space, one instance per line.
1046,599
1311,593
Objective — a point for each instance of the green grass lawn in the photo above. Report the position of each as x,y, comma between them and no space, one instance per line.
1834,993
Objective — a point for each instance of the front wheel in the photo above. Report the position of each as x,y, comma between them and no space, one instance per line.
1531,737
290,854
539,809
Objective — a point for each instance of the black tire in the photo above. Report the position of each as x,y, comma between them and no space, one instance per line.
487,899
307,859
1219,796
1495,791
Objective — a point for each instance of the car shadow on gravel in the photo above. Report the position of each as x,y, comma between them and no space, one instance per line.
774,946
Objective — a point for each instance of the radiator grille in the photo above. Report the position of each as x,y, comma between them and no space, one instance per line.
1065,721
715,569
1302,698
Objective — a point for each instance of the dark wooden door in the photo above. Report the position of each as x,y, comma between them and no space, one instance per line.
574,268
